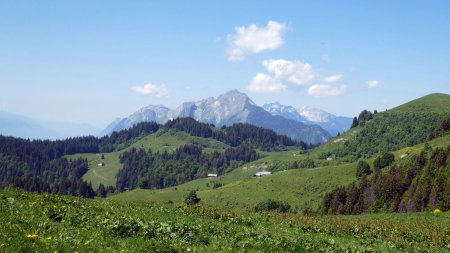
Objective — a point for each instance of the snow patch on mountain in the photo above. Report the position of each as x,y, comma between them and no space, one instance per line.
311,116
315,115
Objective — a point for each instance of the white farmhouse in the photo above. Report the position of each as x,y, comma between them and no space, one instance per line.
262,173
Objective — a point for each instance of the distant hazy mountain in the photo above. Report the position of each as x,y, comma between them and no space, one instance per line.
311,116
156,113
20,126
229,108
110,127
64,130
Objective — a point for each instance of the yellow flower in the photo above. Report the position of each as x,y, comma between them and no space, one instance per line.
49,238
55,206
1,245
437,211
32,236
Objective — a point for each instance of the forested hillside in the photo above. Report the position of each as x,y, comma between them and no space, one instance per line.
407,125
145,169
422,183
235,135
40,165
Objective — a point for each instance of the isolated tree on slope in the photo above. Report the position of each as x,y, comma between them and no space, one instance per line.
363,168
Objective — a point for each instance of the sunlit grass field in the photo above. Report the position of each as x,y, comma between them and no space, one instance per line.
53,223
302,188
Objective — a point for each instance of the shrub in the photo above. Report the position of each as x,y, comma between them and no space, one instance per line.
273,205
192,198
363,168
217,184
384,160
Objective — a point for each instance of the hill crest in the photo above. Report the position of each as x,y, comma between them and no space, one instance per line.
434,102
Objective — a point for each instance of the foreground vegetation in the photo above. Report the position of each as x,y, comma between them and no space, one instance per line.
49,223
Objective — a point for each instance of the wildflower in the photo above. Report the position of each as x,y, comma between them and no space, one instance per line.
437,211
49,238
55,206
32,235
1,245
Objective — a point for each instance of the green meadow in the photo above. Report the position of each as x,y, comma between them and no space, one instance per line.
53,223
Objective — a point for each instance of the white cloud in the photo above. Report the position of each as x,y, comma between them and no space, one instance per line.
325,90
253,39
295,72
264,84
147,89
372,84
282,74
333,78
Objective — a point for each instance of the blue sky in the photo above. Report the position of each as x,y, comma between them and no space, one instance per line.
93,61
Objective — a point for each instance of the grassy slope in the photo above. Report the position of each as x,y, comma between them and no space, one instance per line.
432,103
302,188
442,142
52,223
160,141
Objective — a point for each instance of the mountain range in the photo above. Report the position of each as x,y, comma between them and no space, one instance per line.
311,116
306,124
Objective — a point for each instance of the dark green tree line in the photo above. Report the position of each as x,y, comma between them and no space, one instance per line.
418,185
146,169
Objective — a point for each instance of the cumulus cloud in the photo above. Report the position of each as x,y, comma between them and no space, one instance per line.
152,89
295,72
281,74
333,78
264,84
372,84
253,39
325,90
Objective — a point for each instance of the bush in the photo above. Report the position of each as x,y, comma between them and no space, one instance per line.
363,168
192,198
273,205
383,161
217,184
